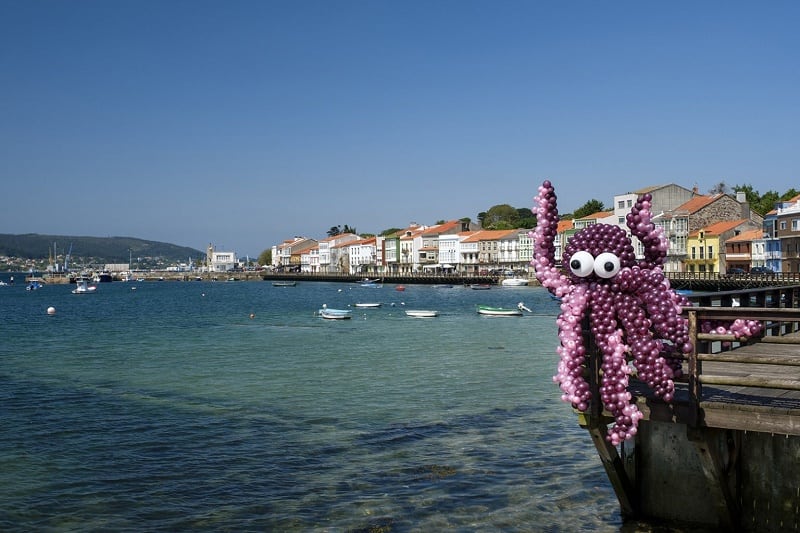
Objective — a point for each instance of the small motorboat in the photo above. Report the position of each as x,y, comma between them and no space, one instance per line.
422,313
481,286
514,282
83,287
499,311
335,314
367,304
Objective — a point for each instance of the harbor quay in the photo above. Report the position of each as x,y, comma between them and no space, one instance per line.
687,281
260,275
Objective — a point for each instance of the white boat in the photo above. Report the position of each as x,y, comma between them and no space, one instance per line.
422,313
83,287
284,283
514,282
367,304
335,314
499,311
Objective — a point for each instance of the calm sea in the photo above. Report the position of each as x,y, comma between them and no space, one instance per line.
230,406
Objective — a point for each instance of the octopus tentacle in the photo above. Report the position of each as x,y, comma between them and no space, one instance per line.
639,221
572,352
546,211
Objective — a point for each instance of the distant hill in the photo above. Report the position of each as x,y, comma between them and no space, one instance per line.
96,249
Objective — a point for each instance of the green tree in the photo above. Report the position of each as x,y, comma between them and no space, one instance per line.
788,195
501,216
763,203
338,230
265,257
589,208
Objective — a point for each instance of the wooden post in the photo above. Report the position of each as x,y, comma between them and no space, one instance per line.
695,391
595,422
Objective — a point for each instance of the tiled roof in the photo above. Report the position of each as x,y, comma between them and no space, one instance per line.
598,215
719,227
441,228
696,203
490,235
564,225
748,235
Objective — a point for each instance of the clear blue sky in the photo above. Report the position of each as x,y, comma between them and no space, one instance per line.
242,123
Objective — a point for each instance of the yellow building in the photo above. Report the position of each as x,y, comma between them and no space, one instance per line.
703,246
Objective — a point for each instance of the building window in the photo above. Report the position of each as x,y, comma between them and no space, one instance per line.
783,224
621,204
796,224
630,203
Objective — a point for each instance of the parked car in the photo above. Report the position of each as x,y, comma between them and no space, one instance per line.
735,271
762,271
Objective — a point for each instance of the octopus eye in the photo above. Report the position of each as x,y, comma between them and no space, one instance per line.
606,265
581,264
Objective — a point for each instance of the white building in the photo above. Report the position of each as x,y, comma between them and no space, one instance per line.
220,261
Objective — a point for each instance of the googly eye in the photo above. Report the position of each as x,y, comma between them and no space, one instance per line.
581,263
606,265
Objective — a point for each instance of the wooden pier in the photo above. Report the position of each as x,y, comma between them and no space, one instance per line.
725,454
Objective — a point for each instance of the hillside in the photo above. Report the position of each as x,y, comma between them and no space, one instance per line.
94,249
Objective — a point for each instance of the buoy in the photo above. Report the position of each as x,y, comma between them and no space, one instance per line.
252,316
51,310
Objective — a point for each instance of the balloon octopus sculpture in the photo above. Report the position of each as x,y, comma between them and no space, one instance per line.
634,315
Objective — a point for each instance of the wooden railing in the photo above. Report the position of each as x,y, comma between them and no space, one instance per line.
745,384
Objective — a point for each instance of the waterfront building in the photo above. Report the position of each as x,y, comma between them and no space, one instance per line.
787,231
309,260
288,254
704,245
745,250
699,212
430,240
493,249
410,246
363,256
327,263
220,261
393,252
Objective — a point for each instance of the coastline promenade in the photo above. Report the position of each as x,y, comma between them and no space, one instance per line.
689,281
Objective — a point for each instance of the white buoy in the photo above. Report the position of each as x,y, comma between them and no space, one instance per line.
51,310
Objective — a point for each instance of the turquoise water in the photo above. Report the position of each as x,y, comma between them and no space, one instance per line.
231,406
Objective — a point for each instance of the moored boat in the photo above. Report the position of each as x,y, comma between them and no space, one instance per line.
284,283
83,287
514,282
368,304
422,313
499,311
334,314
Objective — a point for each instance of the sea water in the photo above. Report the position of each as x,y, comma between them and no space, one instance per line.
232,406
